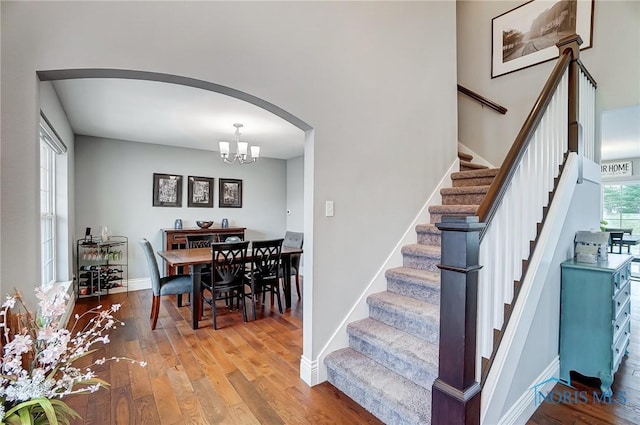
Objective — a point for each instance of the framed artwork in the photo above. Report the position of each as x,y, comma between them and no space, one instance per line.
230,193
527,35
200,192
167,190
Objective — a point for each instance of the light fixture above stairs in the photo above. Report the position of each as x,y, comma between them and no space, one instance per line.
392,358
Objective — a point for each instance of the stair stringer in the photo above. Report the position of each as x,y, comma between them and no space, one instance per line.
360,310
543,267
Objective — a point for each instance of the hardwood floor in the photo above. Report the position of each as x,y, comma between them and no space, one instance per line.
626,384
241,374
248,373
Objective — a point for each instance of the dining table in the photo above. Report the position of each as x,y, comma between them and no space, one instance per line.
197,258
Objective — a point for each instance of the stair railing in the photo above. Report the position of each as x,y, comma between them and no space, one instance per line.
482,100
561,120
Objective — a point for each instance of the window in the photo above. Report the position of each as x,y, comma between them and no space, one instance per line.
50,147
621,207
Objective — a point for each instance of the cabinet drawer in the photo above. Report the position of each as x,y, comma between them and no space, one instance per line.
620,299
621,278
622,320
620,347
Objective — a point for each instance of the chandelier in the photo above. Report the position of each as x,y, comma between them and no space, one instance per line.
241,150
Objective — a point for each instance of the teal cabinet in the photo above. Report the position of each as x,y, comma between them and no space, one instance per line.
595,313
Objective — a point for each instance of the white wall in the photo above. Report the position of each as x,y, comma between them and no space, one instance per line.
614,62
375,80
114,186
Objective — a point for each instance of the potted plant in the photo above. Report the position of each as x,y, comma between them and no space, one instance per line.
37,367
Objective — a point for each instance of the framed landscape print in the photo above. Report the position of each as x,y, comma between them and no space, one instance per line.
230,193
200,192
167,190
527,35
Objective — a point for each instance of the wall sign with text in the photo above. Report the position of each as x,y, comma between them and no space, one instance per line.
617,169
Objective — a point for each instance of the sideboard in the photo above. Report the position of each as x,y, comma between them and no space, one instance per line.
176,238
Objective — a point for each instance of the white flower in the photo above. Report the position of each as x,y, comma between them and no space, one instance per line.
10,302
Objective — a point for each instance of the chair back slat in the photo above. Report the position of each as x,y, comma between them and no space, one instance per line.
266,257
228,263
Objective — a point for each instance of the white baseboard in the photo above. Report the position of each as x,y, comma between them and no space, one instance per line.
133,285
477,159
525,406
309,371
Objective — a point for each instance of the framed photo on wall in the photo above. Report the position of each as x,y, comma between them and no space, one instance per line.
230,193
200,192
167,190
527,35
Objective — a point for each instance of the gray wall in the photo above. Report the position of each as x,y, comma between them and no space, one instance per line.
295,194
114,186
375,80
614,62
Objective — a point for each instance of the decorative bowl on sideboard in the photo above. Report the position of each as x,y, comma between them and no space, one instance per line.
204,224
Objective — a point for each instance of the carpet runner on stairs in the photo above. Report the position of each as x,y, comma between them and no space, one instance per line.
392,358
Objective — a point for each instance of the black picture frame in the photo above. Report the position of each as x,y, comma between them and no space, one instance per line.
229,193
200,192
167,190
527,35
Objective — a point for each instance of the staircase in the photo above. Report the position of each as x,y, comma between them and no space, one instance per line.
392,358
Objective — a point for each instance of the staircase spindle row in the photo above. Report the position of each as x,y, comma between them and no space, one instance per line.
507,239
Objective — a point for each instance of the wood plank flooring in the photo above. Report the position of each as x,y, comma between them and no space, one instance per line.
248,373
240,374
626,383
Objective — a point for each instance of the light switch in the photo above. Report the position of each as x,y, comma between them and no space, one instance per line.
328,209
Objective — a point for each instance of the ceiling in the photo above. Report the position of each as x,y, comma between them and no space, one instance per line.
179,115
172,114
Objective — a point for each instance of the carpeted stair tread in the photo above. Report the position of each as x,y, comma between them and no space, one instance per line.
464,190
464,195
422,250
466,165
470,174
419,256
465,156
414,316
428,234
391,398
421,284
453,209
406,355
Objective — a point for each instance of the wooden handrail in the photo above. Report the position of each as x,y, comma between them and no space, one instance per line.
483,100
499,186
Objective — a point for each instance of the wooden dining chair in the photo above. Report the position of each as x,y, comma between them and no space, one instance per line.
265,271
167,285
294,240
227,278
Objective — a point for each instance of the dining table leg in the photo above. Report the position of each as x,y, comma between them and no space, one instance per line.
195,295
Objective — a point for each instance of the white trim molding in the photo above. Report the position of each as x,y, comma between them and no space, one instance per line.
525,406
309,371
